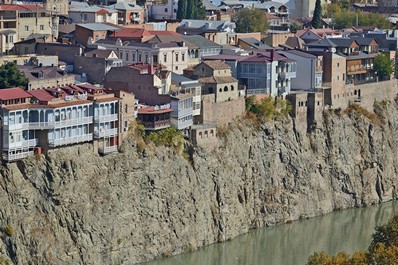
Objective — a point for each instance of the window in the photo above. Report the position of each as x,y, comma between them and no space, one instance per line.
26,28
176,57
133,59
164,58
338,64
127,56
343,77
175,10
183,57
125,108
139,57
155,59
41,27
121,55
166,10
176,67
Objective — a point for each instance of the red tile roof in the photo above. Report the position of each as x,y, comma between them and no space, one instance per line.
41,95
13,93
151,110
139,33
21,7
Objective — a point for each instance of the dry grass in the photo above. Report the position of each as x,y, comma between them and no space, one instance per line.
358,111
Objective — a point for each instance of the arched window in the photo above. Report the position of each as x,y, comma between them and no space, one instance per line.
225,89
220,90
232,88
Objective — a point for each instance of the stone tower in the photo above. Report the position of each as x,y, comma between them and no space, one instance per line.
61,7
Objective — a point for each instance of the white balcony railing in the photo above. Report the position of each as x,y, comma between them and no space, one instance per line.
107,149
285,75
70,140
105,133
17,156
22,144
70,122
19,126
41,125
106,118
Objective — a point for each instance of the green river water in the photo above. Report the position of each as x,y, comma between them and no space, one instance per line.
291,244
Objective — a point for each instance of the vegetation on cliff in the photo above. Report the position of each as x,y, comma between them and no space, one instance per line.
268,108
382,250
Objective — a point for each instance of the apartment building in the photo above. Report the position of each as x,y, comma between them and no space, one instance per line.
21,22
41,120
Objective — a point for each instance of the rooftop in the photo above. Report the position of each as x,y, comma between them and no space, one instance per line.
13,93
154,110
97,27
216,64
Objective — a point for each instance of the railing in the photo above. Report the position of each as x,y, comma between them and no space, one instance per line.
181,124
19,126
41,125
70,122
156,125
17,156
106,118
108,150
182,113
22,144
70,140
105,133
254,91
285,75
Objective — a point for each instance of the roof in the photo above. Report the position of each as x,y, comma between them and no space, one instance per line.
200,41
265,57
209,6
26,7
342,42
361,55
97,26
34,72
68,28
294,42
224,57
125,6
153,110
134,33
99,53
41,95
255,43
92,9
208,24
301,54
217,80
180,78
13,93
321,43
216,65
362,41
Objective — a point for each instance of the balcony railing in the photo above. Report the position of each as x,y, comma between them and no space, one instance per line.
17,156
70,122
254,91
70,140
41,125
182,113
285,75
19,126
108,150
106,118
22,144
156,125
105,133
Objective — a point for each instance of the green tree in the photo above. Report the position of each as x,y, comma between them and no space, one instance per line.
251,20
182,9
294,27
347,18
10,76
383,66
316,21
200,10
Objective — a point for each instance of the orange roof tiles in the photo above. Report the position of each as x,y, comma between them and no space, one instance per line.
13,93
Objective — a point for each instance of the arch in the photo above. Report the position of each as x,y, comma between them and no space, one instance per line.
232,88
220,90
225,89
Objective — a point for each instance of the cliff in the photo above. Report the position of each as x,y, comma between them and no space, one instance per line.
74,207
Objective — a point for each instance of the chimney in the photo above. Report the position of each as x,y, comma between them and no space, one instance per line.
151,69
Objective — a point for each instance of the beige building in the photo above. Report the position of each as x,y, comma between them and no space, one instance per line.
20,22
46,77
334,77
60,7
216,78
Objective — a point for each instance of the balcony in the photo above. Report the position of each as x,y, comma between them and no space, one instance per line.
182,113
178,124
156,125
287,75
22,144
17,156
106,118
107,150
70,140
356,70
71,122
105,133
40,125
19,126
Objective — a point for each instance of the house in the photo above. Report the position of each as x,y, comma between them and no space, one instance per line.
155,118
359,63
31,60
95,64
128,13
277,24
198,27
164,11
267,73
334,72
95,31
185,101
173,55
199,47
215,77
309,73
93,14
46,77
19,22
149,83
312,35
44,119
65,52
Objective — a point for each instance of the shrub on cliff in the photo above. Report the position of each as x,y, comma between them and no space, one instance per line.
169,137
268,108
382,250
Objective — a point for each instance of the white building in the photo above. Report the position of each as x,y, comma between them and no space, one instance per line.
167,11
93,14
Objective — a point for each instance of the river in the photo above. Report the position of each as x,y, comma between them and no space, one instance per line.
291,244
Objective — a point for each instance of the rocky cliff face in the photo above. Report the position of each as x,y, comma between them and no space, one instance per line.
74,207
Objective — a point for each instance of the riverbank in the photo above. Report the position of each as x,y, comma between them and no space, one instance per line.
74,207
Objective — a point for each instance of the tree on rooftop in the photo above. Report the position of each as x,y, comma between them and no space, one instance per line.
191,9
383,66
317,17
10,76
251,20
